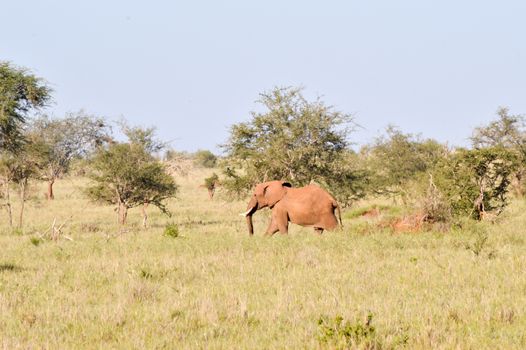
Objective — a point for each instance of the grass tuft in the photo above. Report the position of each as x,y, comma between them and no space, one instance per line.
171,230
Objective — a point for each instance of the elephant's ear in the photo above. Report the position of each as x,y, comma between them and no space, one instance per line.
275,191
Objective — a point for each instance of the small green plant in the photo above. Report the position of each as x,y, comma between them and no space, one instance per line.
17,232
211,183
35,241
171,230
8,267
344,334
479,243
145,273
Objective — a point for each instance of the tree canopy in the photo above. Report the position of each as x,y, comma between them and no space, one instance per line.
476,182
508,131
63,140
293,139
20,93
397,158
127,175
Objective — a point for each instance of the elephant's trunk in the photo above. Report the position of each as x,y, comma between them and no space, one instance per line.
250,226
251,209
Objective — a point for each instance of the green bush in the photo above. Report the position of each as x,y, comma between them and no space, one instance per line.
343,334
205,158
35,241
476,182
212,181
397,160
171,230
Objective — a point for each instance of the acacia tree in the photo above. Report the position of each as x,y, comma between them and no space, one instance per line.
292,139
17,170
127,175
143,136
63,140
7,175
20,94
509,132
24,168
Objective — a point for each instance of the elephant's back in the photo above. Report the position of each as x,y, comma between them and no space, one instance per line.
315,191
310,206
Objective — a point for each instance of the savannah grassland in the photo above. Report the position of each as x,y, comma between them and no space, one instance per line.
216,287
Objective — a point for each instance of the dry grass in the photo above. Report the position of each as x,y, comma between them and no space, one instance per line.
215,287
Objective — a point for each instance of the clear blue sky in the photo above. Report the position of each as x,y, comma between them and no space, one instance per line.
193,68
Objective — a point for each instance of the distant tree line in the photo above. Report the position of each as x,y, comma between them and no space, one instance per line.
306,141
292,139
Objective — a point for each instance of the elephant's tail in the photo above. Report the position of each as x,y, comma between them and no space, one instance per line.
337,207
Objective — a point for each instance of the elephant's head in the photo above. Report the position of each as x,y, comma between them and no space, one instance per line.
266,194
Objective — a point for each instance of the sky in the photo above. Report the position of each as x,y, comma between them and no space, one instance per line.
194,68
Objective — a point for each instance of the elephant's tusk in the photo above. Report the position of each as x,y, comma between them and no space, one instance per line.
246,213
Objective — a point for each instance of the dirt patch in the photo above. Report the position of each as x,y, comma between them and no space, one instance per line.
409,223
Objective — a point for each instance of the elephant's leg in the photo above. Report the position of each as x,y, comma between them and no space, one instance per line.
272,228
283,227
282,220
318,230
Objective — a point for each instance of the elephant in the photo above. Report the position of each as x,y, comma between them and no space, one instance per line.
309,206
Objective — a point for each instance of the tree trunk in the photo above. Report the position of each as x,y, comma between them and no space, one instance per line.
8,203
123,213
23,187
518,185
50,195
144,215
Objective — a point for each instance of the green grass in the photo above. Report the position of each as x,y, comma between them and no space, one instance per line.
213,286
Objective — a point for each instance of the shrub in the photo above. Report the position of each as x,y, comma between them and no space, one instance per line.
35,241
477,243
434,205
339,333
475,182
212,181
395,161
171,230
205,158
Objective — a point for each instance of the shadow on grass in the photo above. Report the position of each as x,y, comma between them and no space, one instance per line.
9,267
